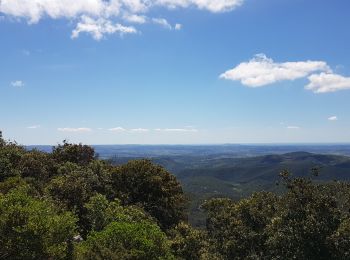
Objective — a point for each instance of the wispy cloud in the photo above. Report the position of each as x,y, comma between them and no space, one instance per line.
25,52
33,127
101,17
97,28
75,130
333,118
17,83
139,130
117,129
163,22
181,130
293,127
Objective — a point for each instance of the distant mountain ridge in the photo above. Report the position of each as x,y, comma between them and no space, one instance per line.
267,167
224,150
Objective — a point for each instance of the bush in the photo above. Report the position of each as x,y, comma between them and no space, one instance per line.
153,188
126,240
33,229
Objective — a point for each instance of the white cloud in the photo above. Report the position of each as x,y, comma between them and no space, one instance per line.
327,82
139,130
134,18
98,28
34,10
218,5
75,130
333,118
261,71
183,130
293,127
117,129
17,83
33,127
215,6
105,14
178,27
163,22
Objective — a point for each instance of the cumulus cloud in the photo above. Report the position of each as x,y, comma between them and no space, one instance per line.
75,130
33,127
333,118
17,83
105,16
34,11
261,71
327,82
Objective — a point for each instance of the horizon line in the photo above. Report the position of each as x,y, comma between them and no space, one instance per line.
205,144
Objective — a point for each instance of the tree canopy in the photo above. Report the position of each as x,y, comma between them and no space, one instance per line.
69,204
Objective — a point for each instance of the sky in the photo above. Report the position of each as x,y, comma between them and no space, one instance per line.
175,71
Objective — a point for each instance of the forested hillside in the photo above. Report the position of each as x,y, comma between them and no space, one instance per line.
68,204
220,175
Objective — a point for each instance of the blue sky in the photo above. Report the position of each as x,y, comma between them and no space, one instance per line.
175,71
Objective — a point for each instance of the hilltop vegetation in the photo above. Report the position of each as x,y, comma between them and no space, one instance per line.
216,175
68,204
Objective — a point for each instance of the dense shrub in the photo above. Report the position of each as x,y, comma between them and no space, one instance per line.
33,229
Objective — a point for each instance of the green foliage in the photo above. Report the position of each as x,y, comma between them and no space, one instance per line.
12,183
126,240
305,218
73,186
238,228
188,243
10,155
123,211
340,241
37,165
309,221
153,188
121,233
101,212
75,153
2,141
32,228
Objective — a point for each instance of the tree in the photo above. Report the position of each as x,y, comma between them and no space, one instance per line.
123,239
10,156
153,188
306,217
340,241
100,212
2,141
238,228
188,243
32,228
75,153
